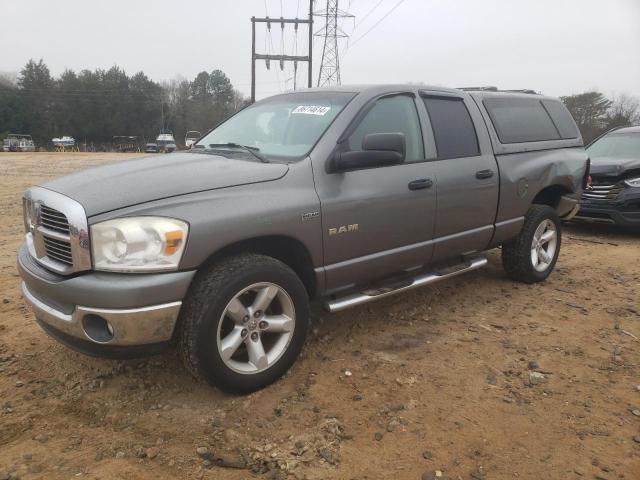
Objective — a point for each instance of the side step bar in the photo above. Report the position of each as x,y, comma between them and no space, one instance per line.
358,298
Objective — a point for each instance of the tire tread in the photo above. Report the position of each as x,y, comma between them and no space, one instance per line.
199,299
516,255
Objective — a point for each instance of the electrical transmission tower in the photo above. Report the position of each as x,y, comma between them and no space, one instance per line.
330,64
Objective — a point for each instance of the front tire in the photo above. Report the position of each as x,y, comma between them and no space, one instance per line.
532,255
243,323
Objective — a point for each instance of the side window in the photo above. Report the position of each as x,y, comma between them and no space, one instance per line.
453,128
520,120
562,118
396,114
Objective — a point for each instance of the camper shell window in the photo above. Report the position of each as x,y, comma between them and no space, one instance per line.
519,120
562,118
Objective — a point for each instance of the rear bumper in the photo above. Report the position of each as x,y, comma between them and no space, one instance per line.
568,206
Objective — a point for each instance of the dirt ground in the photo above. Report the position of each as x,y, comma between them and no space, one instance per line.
473,378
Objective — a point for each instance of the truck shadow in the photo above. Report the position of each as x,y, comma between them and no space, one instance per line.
602,230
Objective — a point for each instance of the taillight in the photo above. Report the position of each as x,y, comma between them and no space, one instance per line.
587,180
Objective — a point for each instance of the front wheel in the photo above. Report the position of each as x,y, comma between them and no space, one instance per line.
244,322
532,255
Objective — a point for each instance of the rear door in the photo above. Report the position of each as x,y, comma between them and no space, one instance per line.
466,174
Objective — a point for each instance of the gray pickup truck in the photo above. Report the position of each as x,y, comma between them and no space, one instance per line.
346,195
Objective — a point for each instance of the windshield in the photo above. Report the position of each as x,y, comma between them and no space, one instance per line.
285,127
616,146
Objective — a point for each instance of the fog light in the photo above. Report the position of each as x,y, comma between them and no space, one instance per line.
97,328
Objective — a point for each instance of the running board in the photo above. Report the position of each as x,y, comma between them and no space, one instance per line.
365,296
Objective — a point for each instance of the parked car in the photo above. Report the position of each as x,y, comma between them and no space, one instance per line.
168,147
166,142
613,196
151,148
191,137
345,195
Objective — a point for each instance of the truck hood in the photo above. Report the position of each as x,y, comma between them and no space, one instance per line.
613,167
131,182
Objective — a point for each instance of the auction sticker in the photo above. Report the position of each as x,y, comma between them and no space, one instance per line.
311,109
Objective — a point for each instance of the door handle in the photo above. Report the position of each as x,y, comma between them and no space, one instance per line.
483,174
420,184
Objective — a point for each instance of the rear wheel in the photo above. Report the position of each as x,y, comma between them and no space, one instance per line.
532,256
244,322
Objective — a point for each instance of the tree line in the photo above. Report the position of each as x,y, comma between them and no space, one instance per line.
94,106
595,114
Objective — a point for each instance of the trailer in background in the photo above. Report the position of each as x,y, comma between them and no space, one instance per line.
17,142
127,143
65,144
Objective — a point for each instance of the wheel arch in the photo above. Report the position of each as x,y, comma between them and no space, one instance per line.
290,251
551,195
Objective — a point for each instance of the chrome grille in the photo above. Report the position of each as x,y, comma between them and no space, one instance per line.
54,220
602,192
58,250
57,231
55,234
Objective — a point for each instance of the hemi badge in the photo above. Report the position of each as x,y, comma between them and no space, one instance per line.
310,216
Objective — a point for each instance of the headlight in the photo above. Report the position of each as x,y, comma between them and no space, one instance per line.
633,182
138,244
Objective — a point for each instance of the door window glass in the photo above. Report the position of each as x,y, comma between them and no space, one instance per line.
396,114
453,128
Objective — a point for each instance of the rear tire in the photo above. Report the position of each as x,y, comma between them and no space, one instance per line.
532,255
243,323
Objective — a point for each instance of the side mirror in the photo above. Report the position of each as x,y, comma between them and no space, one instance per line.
378,150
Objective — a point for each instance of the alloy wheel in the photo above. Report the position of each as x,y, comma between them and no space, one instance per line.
256,328
543,246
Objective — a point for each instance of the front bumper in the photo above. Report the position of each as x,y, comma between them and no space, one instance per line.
105,314
623,211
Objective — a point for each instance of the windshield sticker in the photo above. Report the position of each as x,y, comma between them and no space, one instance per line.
311,109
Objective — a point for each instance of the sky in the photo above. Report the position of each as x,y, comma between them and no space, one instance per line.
558,47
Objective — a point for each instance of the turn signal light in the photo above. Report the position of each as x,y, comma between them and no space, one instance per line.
173,241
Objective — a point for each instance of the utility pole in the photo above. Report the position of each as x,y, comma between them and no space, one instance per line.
329,73
282,57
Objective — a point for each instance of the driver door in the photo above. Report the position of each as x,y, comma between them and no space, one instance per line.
379,221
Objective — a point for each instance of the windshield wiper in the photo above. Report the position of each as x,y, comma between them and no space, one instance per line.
252,150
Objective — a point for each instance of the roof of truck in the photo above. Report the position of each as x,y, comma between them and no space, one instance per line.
478,92
358,88
483,96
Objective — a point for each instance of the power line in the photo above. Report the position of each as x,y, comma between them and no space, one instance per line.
281,58
268,34
366,15
376,24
